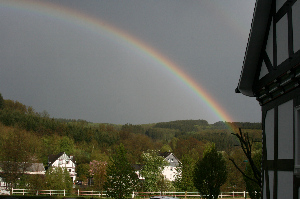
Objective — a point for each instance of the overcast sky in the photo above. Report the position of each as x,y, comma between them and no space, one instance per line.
51,62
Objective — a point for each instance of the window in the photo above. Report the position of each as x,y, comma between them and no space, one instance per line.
297,140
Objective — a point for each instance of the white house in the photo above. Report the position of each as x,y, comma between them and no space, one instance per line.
169,172
271,73
64,161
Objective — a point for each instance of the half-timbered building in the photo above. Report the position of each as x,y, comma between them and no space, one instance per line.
271,73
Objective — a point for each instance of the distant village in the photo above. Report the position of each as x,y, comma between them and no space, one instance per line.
68,162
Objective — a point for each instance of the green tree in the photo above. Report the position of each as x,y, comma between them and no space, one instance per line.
210,172
121,177
152,170
82,171
184,177
166,148
58,179
17,153
66,145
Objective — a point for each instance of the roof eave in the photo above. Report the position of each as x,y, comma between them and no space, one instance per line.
254,46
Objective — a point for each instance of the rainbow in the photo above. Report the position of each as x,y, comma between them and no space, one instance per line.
89,22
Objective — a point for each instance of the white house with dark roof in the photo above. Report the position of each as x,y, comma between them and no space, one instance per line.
64,161
169,171
271,74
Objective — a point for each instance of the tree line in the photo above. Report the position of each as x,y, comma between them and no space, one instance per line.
90,142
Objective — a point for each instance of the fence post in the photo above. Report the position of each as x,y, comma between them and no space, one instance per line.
64,192
233,194
78,192
244,194
185,194
221,195
12,191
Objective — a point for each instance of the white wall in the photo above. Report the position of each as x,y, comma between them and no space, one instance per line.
269,131
282,39
285,130
279,4
296,25
285,184
169,172
65,162
269,47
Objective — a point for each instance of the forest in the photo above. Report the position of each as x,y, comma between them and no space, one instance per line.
38,135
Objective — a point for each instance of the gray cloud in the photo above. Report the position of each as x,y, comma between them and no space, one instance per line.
54,65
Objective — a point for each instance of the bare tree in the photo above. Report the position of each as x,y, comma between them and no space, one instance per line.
247,147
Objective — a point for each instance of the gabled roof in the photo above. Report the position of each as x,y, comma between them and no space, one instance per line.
53,158
165,154
255,43
168,155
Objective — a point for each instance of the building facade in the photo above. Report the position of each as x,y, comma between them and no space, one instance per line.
64,161
169,172
271,73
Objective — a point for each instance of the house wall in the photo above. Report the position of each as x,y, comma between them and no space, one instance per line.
169,172
283,36
296,26
279,102
279,121
65,162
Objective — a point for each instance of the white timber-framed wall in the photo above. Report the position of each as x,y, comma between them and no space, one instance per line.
271,73
64,161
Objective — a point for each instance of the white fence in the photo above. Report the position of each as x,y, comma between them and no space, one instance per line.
233,194
56,192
